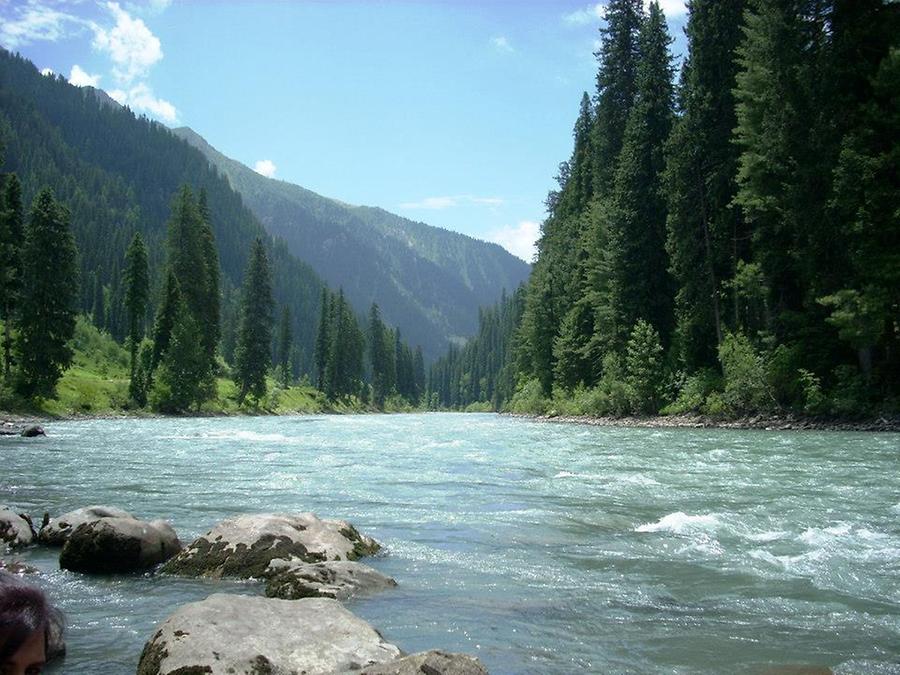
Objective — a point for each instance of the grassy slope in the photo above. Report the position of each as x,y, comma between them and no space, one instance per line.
97,384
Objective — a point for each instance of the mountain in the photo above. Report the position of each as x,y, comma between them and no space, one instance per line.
117,174
428,281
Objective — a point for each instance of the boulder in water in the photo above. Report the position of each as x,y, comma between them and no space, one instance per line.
433,662
244,546
15,528
241,634
118,545
55,531
33,430
337,579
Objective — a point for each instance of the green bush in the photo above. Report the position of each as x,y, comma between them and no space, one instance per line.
643,365
694,392
529,399
849,395
747,387
814,400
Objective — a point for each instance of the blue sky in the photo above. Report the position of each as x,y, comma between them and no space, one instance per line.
452,113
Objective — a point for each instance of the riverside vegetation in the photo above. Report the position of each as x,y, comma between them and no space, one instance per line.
728,246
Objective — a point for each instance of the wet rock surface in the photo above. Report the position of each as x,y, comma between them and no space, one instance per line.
55,531
226,634
432,662
338,580
15,529
118,546
245,545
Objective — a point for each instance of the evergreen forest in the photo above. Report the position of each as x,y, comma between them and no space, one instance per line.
727,243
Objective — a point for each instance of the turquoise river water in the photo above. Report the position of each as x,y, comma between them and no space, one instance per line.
540,548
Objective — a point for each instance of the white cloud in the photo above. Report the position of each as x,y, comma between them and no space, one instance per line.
520,240
438,203
265,167
140,98
130,44
671,8
597,12
35,22
588,15
80,78
47,72
148,7
501,44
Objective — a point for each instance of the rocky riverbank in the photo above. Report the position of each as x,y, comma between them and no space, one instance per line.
300,626
695,421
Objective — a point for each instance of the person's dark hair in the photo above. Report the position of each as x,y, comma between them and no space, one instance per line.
23,611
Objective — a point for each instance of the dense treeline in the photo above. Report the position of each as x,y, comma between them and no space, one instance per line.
731,244
374,364
184,276
483,371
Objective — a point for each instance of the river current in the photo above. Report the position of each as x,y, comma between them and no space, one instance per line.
540,548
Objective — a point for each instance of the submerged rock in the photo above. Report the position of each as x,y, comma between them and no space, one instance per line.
226,634
55,531
15,528
337,579
16,567
244,546
433,662
118,545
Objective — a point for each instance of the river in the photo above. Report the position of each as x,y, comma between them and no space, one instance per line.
540,548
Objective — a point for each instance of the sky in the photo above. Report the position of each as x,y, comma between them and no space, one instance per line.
455,113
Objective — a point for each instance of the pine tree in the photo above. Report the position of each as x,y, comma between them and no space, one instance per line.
640,263
211,316
186,254
46,320
179,383
165,319
253,351
378,358
643,367
137,294
706,236
616,87
323,340
12,237
285,346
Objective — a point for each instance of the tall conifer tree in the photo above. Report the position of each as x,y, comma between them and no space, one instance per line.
11,241
49,292
253,351
137,294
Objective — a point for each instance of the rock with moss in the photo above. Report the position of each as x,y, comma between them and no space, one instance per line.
55,531
433,662
244,546
226,634
15,528
118,546
341,579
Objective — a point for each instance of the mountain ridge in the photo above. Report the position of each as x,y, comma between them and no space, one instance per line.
428,281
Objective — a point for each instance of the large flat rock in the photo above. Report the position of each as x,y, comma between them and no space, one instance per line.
230,634
245,545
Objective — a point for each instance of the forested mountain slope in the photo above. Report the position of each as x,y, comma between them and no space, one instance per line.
429,282
117,173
